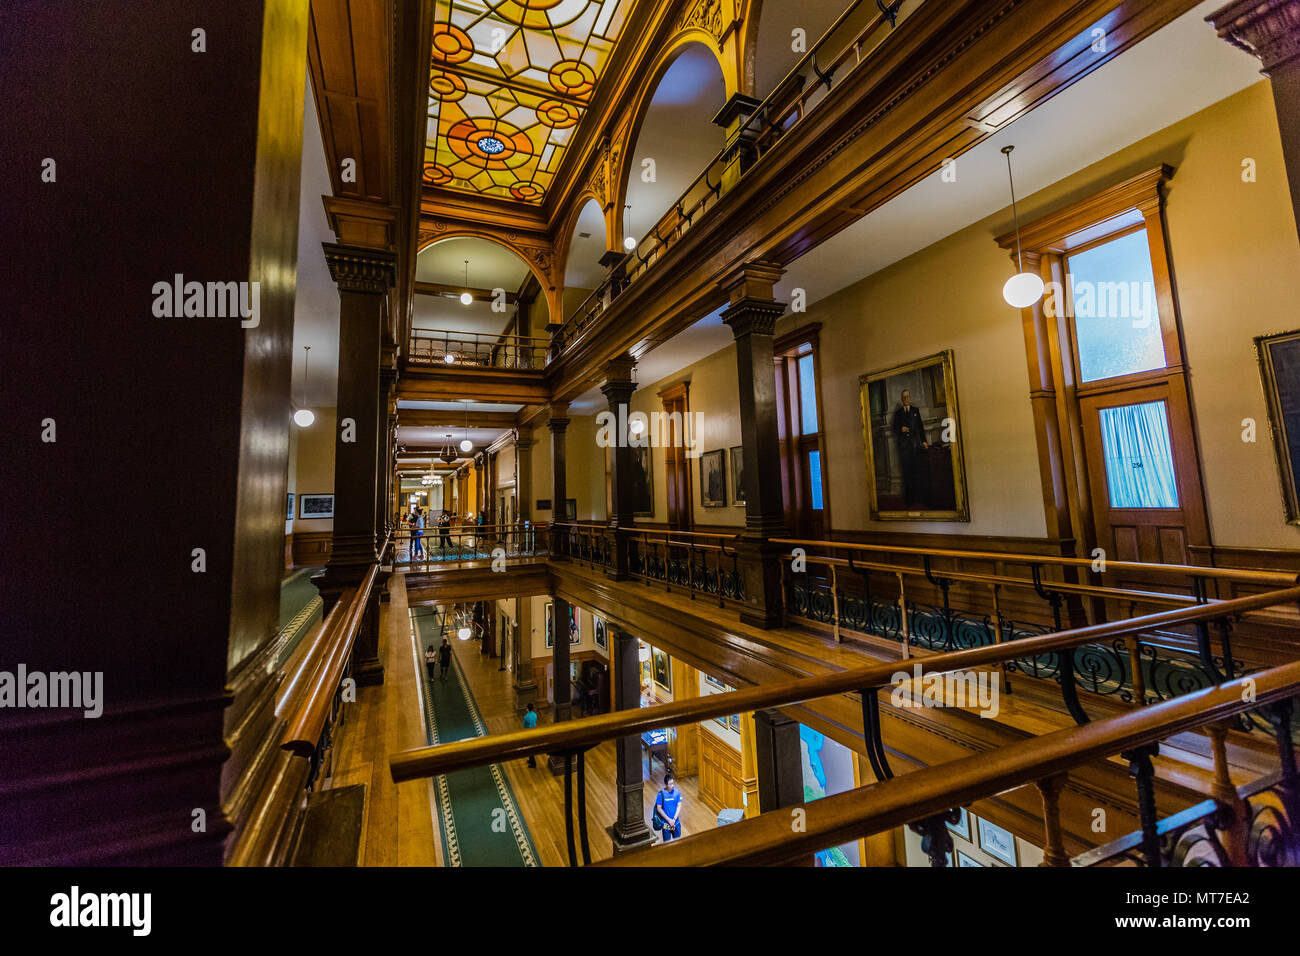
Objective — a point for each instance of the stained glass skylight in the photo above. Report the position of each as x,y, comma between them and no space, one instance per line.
508,82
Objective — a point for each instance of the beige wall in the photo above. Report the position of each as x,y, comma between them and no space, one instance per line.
1236,263
313,466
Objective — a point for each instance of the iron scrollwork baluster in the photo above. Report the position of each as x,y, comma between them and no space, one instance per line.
1065,656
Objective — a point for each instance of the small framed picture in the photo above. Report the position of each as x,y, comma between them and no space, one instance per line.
571,509
601,638
997,842
316,506
713,479
550,624
964,860
661,670
575,629
289,508
962,827
738,476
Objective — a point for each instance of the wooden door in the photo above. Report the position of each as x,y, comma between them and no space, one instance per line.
677,472
1144,475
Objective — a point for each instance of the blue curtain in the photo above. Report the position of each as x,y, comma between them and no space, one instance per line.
1139,462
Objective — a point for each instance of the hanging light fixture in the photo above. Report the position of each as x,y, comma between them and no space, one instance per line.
448,454
304,417
628,242
1024,288
465,297
466,445
463,633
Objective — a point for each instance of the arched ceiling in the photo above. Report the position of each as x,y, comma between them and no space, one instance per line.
678,134
583,269
509,82
775,54
491,266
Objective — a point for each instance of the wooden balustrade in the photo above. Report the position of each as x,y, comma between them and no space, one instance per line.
438,347
769,839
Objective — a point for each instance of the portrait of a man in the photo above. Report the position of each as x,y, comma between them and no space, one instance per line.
913,445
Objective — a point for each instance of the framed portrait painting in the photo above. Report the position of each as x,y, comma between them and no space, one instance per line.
663,676
912,432
550,624
738,476
599,634
713,479
1279,367
289,515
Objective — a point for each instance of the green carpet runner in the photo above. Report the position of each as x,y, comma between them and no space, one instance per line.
300,609
478,817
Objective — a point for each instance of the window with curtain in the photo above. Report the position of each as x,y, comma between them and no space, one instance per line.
1139,459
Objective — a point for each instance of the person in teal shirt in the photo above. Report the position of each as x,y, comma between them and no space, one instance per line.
530,722
668,809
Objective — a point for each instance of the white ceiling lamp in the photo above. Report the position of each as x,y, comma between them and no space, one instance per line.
304,417
1024,288
465,297
463,633
466,445
628,242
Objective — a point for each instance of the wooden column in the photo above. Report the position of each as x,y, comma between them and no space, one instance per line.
780,768
629,830
525,687
752,316
364,277
618,389
749,764
562,688
559,475
524,473
179,616
480,488
1270,31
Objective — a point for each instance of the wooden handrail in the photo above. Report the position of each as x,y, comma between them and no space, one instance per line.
1275,578
303,733
499,337
587,732
296,689
1122,594
769,839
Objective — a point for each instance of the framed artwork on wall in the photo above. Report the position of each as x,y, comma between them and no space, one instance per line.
713,479
575,629
289,508
962,827
997,842
738,476
643,484
1279,367
964,860
600,637
316,506
550,624
662,674
571,509
912,432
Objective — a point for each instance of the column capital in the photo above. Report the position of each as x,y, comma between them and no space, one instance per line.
559,419
753,280
619,384
1266,29
753,315
360,270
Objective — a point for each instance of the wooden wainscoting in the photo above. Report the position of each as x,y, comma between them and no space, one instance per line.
719,782
311,547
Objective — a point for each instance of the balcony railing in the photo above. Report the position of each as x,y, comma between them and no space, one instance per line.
850,41
927,798
435,347
470,545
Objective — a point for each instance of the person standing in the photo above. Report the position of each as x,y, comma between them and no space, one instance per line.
444,658
909,429
417,534
668,809
444,530
530,723
430,659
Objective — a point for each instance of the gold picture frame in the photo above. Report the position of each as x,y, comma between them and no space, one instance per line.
1279,369
910,479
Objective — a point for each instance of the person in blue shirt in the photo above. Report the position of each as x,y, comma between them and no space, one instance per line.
530,722
668,809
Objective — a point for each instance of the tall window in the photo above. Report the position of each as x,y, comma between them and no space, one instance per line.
800,422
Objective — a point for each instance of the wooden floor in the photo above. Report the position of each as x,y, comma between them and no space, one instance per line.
540,794
398,828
